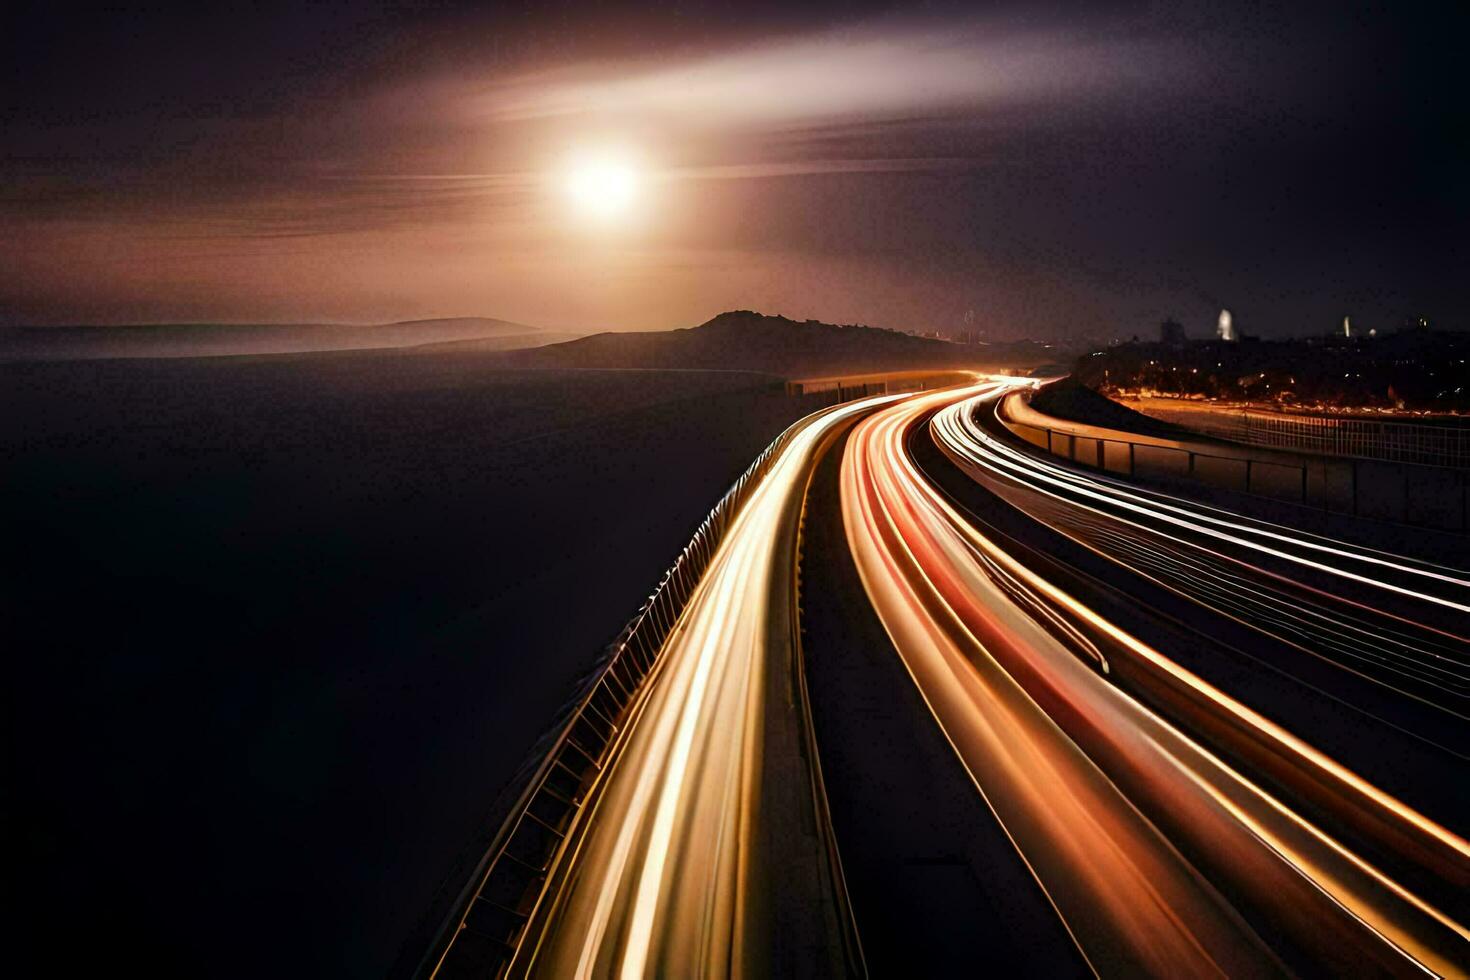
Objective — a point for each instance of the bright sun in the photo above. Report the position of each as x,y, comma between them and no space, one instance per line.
603,187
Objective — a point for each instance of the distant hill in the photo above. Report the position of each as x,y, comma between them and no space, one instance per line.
1071,400
747,341
504,342
213,339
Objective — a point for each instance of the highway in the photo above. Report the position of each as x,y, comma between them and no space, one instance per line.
1207,744
1175,833
1286,583
699,851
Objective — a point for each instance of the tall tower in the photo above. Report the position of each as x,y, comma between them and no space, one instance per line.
1225,328
1347,327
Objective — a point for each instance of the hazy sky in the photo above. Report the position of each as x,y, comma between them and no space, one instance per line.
1046,169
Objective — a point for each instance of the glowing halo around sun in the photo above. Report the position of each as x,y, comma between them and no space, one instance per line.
603,187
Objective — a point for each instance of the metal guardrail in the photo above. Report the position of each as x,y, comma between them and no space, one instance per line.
1437,497
851,387
488,920
1122,456
1394,442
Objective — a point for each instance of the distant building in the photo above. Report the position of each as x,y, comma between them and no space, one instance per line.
1347,327
1171,332
1225,327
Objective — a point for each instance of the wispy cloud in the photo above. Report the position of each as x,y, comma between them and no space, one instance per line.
861,73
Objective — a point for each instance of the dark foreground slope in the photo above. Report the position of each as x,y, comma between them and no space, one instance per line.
277,629
219,339
772,344
1071,400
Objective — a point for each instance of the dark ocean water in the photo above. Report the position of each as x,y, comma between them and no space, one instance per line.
281,628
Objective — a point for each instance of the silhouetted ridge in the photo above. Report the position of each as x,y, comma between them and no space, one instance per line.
748,341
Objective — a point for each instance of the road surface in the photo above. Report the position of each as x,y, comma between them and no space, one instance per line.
1162,853
1187,742
700,851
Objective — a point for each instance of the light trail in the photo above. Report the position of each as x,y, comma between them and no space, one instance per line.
958,428
1159,855
1180,545
694,854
